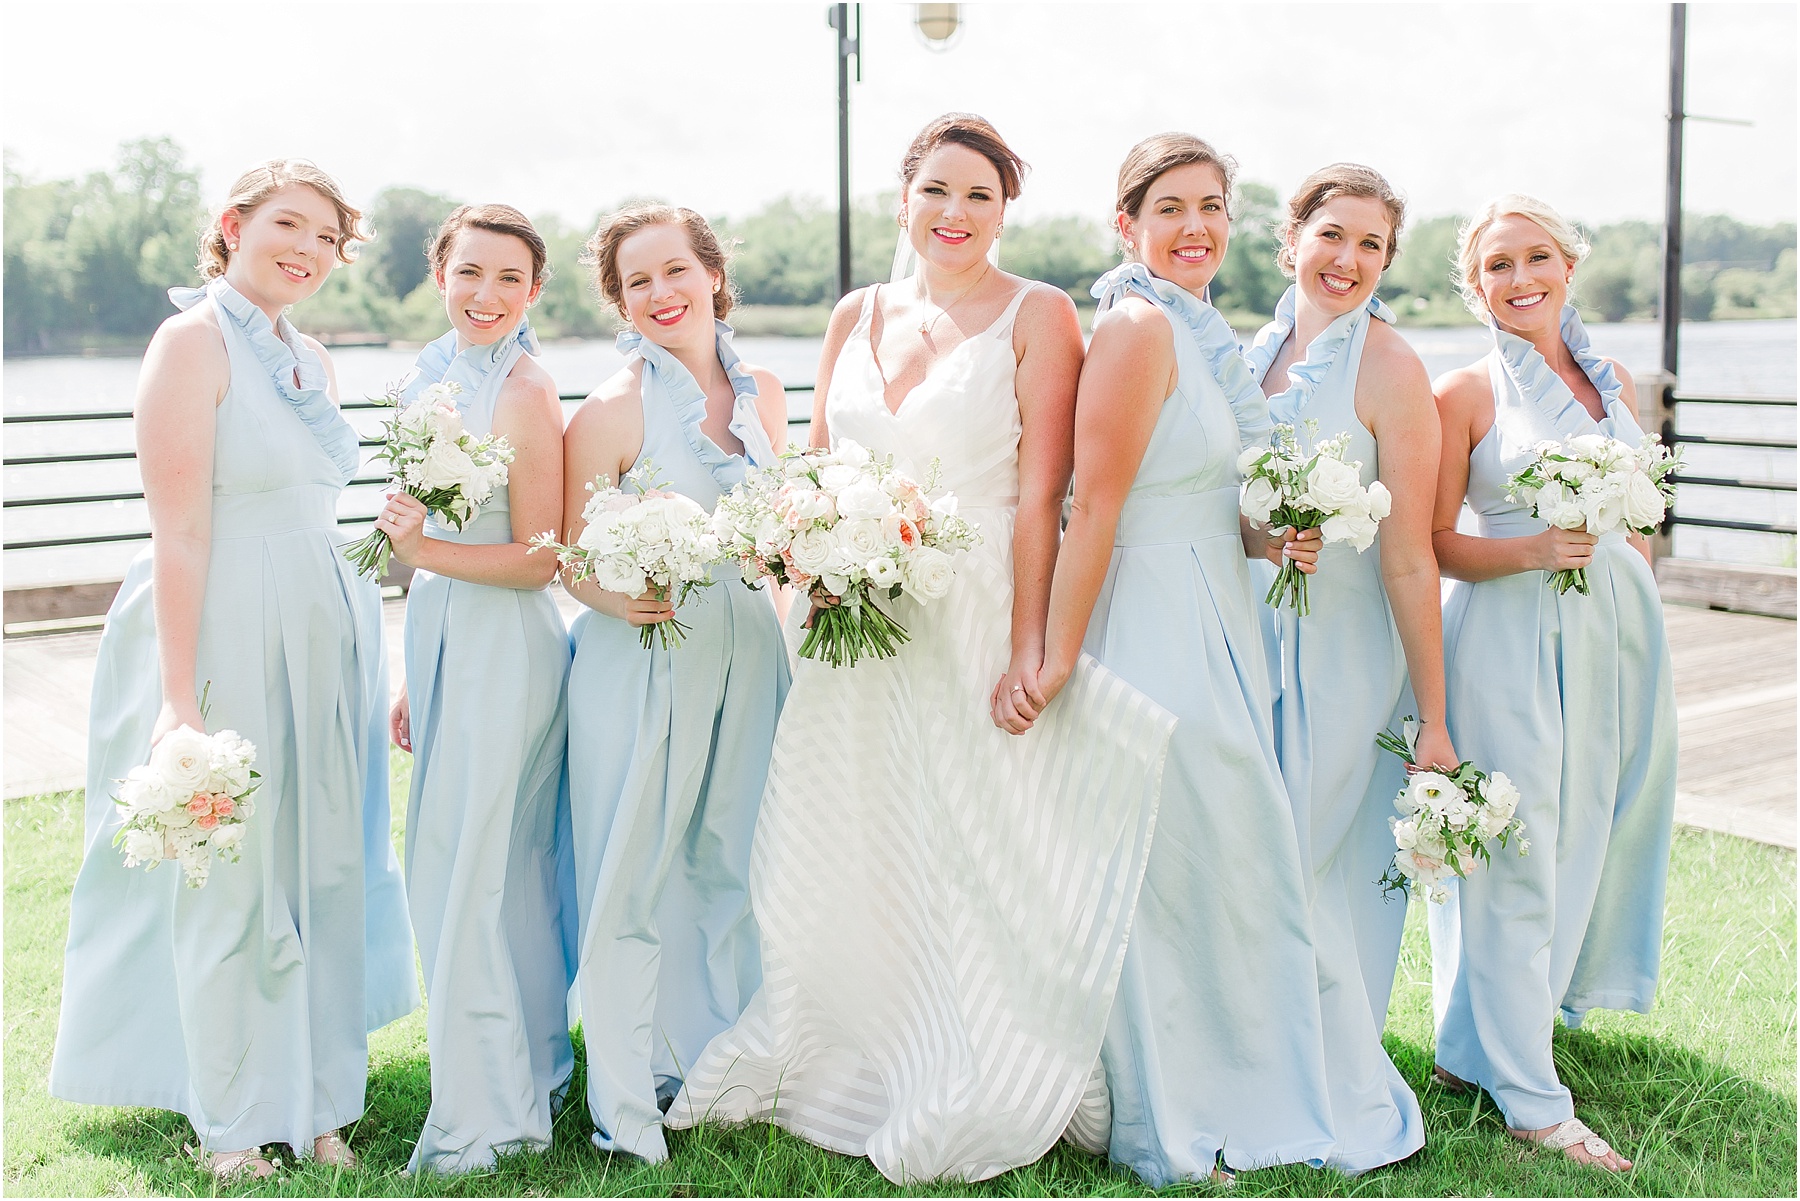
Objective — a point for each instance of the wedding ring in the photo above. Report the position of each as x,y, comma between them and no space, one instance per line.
1018,688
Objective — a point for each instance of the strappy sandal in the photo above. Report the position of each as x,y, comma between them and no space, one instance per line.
331,1150
229,1167
1450,1080
1572,1133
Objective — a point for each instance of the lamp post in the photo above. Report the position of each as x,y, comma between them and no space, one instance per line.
849,43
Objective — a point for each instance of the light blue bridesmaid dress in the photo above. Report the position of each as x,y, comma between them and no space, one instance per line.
668,751
485,669
1571,696
1342,680
244,1004
1214,1044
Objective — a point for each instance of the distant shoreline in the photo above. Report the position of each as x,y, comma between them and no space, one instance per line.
750,321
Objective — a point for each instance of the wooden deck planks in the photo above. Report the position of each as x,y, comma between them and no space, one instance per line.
1734,696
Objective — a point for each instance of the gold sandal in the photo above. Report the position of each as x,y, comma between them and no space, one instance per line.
226,1167
331,1150
1572,1133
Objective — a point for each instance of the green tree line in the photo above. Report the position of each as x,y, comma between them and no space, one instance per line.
88,262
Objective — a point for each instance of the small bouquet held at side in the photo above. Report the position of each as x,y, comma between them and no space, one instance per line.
437,462
189,803
1598,484
844,527
635,541
1447,820
1283,487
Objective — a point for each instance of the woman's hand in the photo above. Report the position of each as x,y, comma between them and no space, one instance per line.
646,609
1559,550
402,519
818,602
1018,698
1433,750
1282,543
400,722
174,716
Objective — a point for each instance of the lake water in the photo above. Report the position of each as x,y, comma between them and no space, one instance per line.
1725,357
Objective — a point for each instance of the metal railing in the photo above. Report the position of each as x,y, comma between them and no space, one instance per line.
1669,406
12,503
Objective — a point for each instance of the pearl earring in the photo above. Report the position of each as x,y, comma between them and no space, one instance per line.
231,245
1130,245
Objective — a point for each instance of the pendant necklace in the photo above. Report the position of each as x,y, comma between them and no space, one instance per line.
925,324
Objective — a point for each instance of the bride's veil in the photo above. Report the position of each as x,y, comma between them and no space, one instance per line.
906,259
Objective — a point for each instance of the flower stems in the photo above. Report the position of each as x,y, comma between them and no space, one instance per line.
842,634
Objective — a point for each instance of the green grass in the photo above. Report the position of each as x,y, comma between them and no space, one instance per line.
1701,1093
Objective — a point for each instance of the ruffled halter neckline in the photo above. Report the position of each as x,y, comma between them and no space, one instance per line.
688,399
1211,333
1538,383
1310,371
472,367
293,368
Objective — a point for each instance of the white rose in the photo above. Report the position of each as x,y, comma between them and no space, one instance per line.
928,573
1332,486
444,422
183,762
1380,500
1502,796
1559,507
648,522
863,499
1589,446
883,572
618,573
1250,458
1574,472
850,451
837,477
604,535
1261,497
1352,525
1643,503
834,584
810,548
861,536
771,536
1406,833
447,465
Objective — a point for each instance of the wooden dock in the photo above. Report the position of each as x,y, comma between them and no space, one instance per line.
1734,696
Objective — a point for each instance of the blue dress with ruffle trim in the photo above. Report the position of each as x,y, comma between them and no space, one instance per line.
485,670
244,1004
1214,1043
668,751
1340,679
1573,697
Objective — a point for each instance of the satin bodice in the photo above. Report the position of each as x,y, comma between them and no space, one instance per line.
964,414
1532,404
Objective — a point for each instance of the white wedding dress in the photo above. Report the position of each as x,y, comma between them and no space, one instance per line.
944,906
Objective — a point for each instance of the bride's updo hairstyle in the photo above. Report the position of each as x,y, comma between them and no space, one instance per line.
1328,183
1161,153
493,218
601,253
973,132
259,183
1569,242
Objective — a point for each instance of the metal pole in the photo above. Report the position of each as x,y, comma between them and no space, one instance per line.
1671,277
848,43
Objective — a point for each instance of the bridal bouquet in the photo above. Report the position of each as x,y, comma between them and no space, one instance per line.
637,540
189,803
1599,484
1320,491
436,461
1446,820
841,525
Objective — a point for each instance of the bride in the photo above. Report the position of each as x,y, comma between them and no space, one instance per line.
944,906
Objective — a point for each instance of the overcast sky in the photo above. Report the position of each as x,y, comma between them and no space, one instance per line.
569,107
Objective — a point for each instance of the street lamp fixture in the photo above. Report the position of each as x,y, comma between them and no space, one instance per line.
938,24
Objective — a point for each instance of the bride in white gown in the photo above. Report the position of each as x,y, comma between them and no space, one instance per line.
944,906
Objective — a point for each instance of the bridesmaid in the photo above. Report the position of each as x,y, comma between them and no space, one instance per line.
1569,695
249,999
1214,1058
667,748
486,659
1332,356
